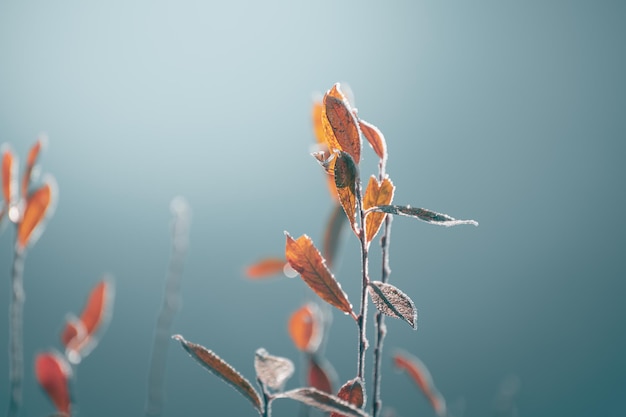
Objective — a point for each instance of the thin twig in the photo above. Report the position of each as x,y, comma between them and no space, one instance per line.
364,284
16,350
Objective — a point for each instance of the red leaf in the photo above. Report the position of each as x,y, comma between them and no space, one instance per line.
39,205
375,138
421,376
306,327
320,374
323,401
304,257
53,374
266,267
352,392
33,153
9,188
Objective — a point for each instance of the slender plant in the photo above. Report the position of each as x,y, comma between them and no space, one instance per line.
340,132
27,209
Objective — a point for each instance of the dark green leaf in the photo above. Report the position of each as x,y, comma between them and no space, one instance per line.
425,215
392,302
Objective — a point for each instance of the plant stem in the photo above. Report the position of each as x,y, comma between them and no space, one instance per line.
16,352
364,284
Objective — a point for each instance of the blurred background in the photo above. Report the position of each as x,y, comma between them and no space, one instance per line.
508,113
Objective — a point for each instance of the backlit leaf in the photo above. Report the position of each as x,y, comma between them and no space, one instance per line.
33,153
425,215
306,327
39,205
352,392
421,376
265,268
222,369
323,401
273,371
340,125
82,335
375,138
304,257
376,194
392,302
316,116
332,233
320,373
53,374
346,179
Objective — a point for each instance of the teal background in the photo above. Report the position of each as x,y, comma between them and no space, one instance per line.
510,113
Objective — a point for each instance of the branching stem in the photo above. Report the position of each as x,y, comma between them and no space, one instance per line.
16,352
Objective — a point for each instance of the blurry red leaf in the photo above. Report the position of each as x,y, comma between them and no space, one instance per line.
323,401
8,177
304,257
352,392
376,194
273,371
340,125
222,369
392,302
266,267
421,376
33,153
346,178
306,327
53,374
38,206
375,138
320,374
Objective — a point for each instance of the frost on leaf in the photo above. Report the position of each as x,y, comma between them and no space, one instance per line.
425,215
346,180
352,392
323,401
273,371
392,302
376,194
216,365
304,257
340,125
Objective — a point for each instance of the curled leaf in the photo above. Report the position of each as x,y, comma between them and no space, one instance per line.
53,374
304,257
352,392
306,327
375,138
340,125
323,401
216,365
320,374
392,302
273,371
39,205
346,179
265,268
421,376
81,335
425,215
376,194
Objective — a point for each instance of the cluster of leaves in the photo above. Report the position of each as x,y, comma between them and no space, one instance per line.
339,131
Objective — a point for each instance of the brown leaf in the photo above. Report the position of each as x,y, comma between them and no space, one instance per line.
323,401
376,194
53,374
392,302
421,376
266,267
346,179
375,138
340,125
38,206
222,369
306,327
352,392
320,374
33,153
273,371
304,257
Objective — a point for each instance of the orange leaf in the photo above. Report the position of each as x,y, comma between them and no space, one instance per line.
38,205
316,115
304,257
306,327
265,267
346,178
53,374
33,153
376,194
320,374
375,138
8,176
81,336
222,369
421,376
340,125
352,392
